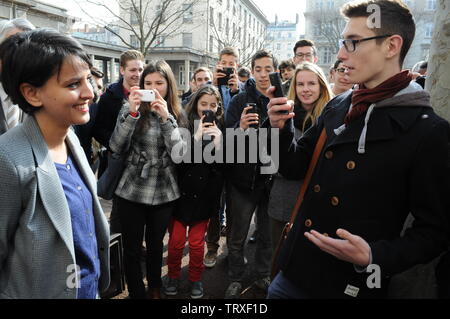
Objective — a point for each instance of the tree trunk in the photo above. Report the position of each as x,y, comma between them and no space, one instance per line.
438,78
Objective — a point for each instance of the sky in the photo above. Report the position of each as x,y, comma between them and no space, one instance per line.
285,9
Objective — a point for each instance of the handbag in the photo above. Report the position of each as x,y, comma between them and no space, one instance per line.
107,183
312,164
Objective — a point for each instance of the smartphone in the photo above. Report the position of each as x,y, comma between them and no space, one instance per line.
275,81
254,109
227,71
210,116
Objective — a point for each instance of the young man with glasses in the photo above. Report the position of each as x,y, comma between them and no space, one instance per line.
385,155
340,81
305,50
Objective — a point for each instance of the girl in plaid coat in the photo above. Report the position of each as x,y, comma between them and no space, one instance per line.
148,188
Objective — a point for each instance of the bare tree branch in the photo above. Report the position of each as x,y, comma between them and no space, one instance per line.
145,25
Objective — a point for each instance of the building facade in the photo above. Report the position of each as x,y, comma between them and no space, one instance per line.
39,13
324,25
198,34
281,38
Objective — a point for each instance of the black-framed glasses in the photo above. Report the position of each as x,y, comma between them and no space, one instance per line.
341,70
350,44
304,55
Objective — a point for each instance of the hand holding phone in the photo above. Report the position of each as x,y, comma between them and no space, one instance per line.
210,116
275,81
228,71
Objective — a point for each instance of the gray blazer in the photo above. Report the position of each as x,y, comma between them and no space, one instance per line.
37,257
3,123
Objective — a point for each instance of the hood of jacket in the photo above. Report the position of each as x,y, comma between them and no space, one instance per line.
411,96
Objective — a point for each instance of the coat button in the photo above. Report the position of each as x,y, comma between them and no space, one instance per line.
195,196
308,223
334,201
351,165
316,188
328,154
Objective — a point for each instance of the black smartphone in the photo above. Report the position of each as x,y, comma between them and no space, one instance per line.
275,81
227,71
254,109
210,116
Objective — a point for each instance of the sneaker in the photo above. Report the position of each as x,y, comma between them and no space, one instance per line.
171,288
197,290
263,283
210,259
233,290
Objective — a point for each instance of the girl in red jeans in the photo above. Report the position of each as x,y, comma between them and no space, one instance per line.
201,186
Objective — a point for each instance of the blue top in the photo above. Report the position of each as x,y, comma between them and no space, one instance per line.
79,199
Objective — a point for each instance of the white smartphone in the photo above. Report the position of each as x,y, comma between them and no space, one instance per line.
147,95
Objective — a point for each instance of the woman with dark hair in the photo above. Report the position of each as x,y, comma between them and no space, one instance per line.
201,186
54,237
145,134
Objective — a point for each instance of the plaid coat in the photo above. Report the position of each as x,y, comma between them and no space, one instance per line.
150,175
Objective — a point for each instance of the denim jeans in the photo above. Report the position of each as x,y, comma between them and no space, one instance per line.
282,288
243,204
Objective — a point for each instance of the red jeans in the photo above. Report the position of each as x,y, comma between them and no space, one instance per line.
177,241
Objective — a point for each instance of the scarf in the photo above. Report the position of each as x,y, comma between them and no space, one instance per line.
363,98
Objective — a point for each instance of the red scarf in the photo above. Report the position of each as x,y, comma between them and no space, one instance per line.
363,98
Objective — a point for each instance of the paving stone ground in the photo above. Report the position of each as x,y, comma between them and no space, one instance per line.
215,280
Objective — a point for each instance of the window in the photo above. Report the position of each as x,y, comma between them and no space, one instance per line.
211,43
234,29
187,40
431,4
158,12
133,17
211,16
327,55
278,46
228,4
227,27
330,4
220,22
429,27
134,41
159,41
188,14
316,30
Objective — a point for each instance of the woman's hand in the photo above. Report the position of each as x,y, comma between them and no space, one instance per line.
159,105
201,126
216,133
134,99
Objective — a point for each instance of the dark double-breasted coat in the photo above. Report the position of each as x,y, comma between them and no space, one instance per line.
405,168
